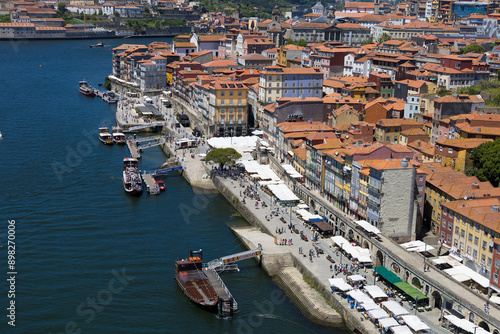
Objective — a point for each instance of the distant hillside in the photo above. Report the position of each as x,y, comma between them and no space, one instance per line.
246,8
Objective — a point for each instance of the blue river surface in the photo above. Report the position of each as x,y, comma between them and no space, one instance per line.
89,258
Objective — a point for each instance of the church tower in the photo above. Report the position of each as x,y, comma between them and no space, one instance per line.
376,9
330,17
276,14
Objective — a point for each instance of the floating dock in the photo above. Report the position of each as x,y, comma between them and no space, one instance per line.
134,151
151,185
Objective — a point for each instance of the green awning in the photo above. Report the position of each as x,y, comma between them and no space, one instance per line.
388,275
410,290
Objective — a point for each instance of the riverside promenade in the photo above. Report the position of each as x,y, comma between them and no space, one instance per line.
316,271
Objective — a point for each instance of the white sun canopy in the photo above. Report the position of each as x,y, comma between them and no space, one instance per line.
283,193
458,273
375,292
291,171
394,307
359,296
370,306
415,323
400,330
356,252
263,172
367,226
388,322
420,249
412,244
306,215
378,314
340,284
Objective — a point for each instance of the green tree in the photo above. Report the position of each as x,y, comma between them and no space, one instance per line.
443,91
476,48
107,83
289,41
486,160
5,18
384,38
100,11
223,156
302,42
369,40
116,14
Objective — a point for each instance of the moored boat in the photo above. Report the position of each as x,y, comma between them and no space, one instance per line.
85,89
194,283
104,135
118,136
132,182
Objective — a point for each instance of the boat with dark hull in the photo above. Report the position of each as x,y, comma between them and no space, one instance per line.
85,89
132,181
194,283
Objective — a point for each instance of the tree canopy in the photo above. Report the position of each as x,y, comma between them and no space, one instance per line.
223,156
476,48
486,161
384,38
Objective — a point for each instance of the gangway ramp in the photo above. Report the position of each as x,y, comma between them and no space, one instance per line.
227,305
226,262
145,126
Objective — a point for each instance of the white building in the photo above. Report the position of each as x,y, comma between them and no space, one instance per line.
152,73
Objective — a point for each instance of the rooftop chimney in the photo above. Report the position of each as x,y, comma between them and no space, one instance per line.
494,208
475,186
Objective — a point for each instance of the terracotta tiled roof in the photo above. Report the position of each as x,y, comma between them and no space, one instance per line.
463,142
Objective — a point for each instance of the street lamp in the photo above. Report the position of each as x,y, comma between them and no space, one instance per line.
341,247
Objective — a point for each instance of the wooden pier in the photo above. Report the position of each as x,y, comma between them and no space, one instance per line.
134,151
151,185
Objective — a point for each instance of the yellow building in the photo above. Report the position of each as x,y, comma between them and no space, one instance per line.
228,107
472,226
388,129
445,185
456,153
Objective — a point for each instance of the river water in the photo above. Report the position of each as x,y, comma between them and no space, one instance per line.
89,258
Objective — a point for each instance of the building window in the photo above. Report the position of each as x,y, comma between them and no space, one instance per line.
450,150
457,230
450,226
474,254
470,237
476,240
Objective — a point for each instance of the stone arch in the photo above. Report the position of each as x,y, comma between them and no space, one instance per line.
484,326
437,299
379,259
312,204
366,244
342,229
495,331
416,282
471,317
350,235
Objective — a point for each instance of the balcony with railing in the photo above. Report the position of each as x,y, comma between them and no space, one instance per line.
372,202
376,190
